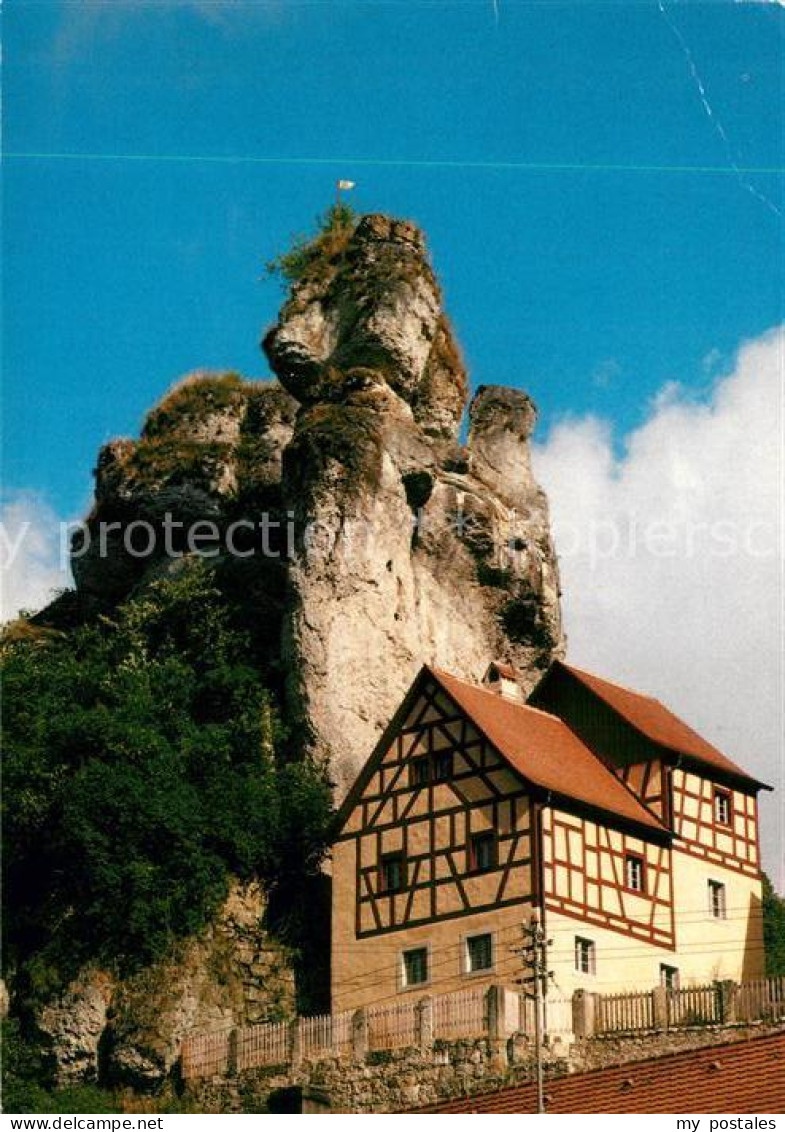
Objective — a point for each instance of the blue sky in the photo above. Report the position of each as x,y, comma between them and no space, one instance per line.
579,196
602,187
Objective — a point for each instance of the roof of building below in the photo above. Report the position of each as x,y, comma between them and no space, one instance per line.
647,715
545,751
746,1076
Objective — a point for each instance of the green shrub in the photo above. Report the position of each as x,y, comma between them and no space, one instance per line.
314,255
141,772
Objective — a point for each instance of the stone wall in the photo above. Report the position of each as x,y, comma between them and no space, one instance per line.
394,1081
386,1081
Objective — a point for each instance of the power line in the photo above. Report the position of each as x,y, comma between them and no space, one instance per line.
393,163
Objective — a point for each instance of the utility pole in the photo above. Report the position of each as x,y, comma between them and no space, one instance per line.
535,954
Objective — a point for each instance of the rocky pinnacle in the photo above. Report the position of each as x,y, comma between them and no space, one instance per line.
396,544
411,547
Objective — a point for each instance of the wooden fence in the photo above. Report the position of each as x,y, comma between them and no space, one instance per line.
694,1006
206,1055
617,1013
392,1027
478,1012
462,1014
761,1000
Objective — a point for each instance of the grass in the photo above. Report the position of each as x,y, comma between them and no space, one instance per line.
193,399
316,256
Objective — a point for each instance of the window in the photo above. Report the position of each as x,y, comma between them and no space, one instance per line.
717,907
431,768
722,807
585,956
482,852
669,977
442,766
421,771
479,953
415,966
392,872
633,872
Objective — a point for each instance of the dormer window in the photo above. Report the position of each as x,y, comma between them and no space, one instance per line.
722,807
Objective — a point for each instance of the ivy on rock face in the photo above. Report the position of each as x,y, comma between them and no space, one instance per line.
141,772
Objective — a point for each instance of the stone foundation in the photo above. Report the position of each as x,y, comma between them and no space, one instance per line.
395,1081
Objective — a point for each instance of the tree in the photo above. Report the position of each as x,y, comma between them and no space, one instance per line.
141,773
773,929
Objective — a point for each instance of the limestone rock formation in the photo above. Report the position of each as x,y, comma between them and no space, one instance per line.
209,452
406,546
234,975
71,1026
409,547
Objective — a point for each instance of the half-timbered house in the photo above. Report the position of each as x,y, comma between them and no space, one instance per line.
632,838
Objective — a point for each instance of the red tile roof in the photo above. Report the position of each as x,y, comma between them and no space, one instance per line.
545,751
738,1077
656,722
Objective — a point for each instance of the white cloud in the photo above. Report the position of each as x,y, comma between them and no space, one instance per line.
671,559
30,554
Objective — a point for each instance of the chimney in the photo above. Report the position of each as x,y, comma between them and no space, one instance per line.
502,679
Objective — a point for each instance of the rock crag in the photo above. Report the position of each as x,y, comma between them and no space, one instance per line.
361,538
388,542
410,547
129,1032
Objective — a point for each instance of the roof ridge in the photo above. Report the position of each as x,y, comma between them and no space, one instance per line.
645,818
621,687
500,698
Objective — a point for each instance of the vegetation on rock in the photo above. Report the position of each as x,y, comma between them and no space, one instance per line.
142,772
314,255
193,399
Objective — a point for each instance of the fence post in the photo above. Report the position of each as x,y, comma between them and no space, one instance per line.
231,1053
659,998
360,1042
502,1012
584,1013
423,1022
295,1043
727,994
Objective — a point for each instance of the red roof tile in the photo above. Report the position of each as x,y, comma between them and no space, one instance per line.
738,1077
656,722
545,751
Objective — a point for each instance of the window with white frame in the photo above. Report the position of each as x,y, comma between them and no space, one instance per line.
722,807
669,977
633,871
414,967
585,956
718,908
479,953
